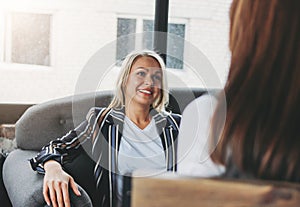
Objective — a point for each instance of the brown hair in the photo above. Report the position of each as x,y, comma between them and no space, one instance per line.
261,135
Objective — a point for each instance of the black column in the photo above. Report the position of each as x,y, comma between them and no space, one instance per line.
161,25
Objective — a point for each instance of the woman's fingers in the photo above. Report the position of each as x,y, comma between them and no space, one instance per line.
56,187
65,194
46,193
59,194
52,194
74,187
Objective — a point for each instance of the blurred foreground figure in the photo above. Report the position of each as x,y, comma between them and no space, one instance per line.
252,129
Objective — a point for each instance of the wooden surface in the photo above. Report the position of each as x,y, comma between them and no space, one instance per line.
174,191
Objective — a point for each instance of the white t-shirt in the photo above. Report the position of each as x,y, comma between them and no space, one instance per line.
140,149
193,139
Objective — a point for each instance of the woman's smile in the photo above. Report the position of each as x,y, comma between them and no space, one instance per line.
143,86
145,91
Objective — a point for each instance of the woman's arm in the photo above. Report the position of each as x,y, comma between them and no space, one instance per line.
62,149
51,158
66,148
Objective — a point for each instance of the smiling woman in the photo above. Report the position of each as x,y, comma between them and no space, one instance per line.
134,132
143,86
146,63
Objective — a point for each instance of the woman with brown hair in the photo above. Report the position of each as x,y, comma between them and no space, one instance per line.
260,137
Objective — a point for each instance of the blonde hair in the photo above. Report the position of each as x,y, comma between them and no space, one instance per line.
119,97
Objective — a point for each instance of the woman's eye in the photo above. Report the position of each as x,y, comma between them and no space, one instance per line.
157,77
141,73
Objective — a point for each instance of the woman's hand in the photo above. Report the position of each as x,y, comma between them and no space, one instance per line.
56,185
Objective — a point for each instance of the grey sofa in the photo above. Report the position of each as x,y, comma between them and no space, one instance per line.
47,121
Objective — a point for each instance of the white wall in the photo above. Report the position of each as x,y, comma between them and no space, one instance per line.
81,27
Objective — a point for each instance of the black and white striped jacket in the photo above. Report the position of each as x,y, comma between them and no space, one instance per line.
100,136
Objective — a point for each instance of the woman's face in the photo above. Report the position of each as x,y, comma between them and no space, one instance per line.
144,82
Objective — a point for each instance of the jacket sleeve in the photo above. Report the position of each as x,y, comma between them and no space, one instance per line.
66,148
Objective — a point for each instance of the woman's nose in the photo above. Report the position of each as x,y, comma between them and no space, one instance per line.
148,80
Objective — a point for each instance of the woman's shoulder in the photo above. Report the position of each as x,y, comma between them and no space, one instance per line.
96,111
206,98
176,116
201,104
172,118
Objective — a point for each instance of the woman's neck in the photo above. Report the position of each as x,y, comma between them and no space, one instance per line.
138,115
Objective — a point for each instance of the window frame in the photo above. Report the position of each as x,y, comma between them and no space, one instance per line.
139,27
6,36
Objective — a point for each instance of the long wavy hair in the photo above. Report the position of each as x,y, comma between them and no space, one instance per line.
119,98
261,135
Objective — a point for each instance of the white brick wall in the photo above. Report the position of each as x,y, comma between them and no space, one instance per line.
82,27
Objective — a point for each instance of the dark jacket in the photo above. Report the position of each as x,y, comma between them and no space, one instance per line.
99,136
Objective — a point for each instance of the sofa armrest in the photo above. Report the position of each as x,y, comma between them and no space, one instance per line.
25,187
46,121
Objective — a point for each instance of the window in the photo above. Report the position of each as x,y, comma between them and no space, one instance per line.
28,36
128,26
125,27
176,29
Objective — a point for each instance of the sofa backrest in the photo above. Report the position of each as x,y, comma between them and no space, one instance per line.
44,122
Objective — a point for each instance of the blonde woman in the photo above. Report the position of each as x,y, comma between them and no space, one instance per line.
133,132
